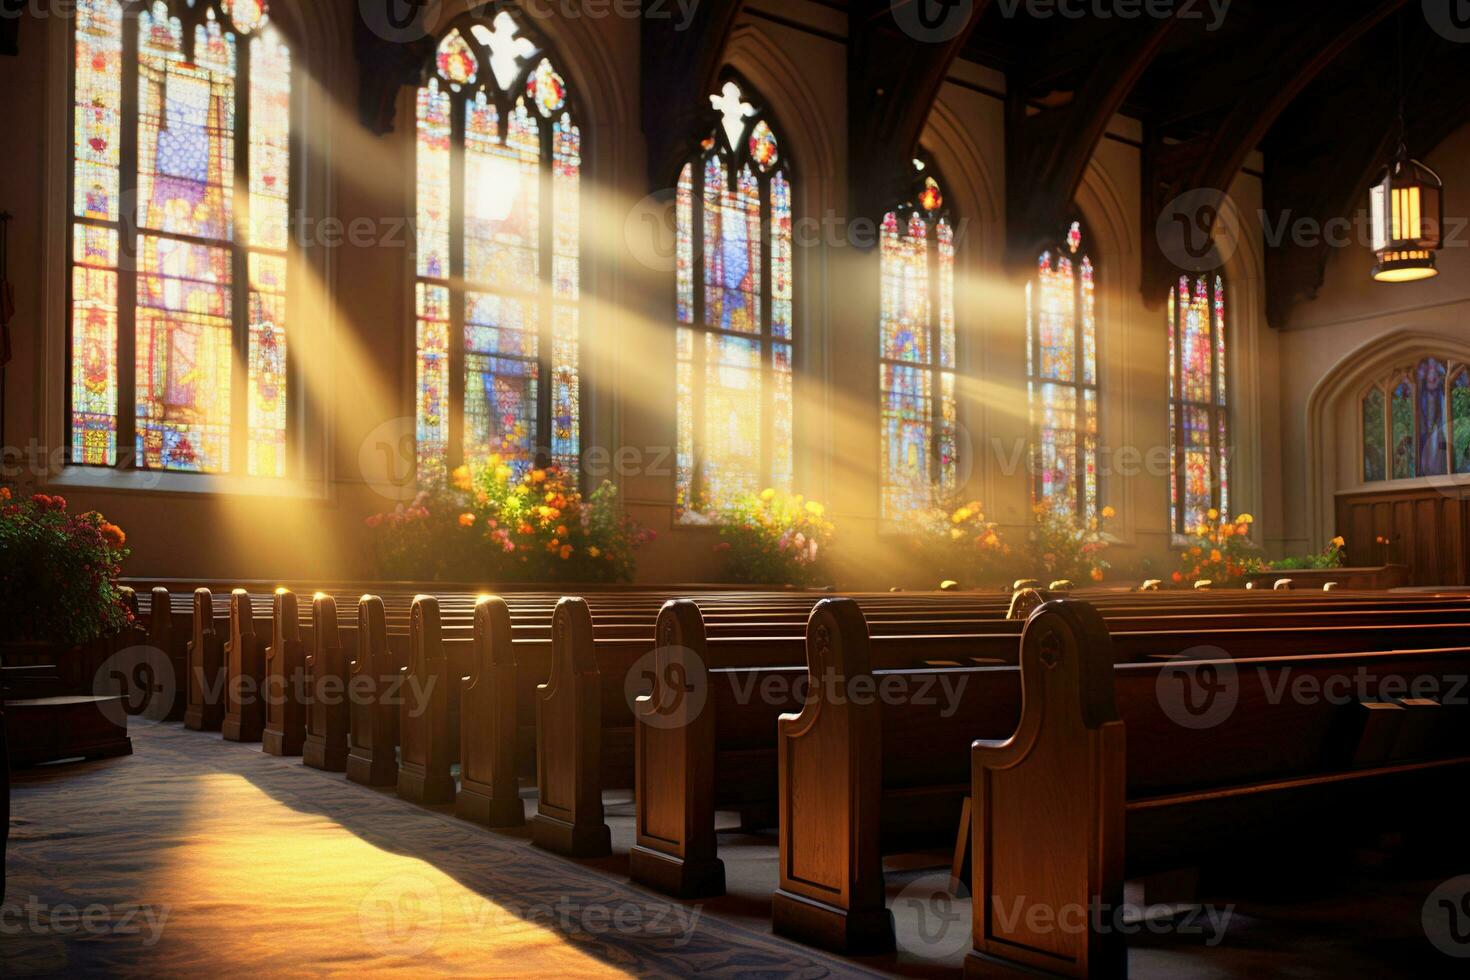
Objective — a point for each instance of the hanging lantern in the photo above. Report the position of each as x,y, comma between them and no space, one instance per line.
1407,210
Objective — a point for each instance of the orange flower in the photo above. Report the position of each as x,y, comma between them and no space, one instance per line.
1179,576
1097,574
466,520
114,535
566,552
4,493
538,476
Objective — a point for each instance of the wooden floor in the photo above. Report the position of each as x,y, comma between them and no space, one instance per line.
200,856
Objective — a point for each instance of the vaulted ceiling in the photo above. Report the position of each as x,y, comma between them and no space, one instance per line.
1313,83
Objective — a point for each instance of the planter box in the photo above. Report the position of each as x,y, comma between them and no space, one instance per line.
1312,579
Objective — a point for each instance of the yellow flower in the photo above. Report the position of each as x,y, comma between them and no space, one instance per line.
1339,542
461,477
815,509
503,474
1245,519
1212,514
768,494
545,512
594,552
956,533
1108,513
961,515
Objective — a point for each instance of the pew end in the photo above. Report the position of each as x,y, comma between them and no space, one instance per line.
489,792
372,759
569,815
244,719
205,709
285,668
328,717
1060,777
424,774
674,749
831,890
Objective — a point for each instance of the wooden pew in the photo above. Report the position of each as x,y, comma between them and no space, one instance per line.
244,719
164,634
4,800
205,711
489,792
569,815
424,725
372,759
328,717
284,688
1100,781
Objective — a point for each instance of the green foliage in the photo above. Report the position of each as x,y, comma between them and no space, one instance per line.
492,524
958,544
774,539
1060,546
1333,556
58,572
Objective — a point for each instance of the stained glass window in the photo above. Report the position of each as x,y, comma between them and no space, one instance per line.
735,295
1198,402
917,373
1375,437
1460,420
499,255
1422,426
1061,361
171,285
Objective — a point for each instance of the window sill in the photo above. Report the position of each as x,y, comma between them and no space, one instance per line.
1457,481
200,484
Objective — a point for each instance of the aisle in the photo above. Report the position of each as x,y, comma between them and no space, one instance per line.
202,857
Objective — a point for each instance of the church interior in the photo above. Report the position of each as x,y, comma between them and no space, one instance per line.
793,488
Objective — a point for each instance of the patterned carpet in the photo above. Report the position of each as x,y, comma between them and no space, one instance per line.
199,857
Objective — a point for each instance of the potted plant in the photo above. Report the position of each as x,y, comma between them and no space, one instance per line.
774,538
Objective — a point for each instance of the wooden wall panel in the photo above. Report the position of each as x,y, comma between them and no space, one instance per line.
1425,528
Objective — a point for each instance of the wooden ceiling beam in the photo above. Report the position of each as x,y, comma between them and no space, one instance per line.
680,65
893,77
1047,150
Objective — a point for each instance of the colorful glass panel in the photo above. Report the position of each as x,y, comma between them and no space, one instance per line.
1061,362
1401,430
192,263
1375,437
1460,420
734,292
1198,417
518,278
1433,428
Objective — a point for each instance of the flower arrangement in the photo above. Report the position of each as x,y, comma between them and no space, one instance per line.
1220,552
1333,556
58,571
502,522
1062,547
774,538
959,544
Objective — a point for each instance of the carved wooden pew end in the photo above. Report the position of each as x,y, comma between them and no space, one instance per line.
327,715
424,766
372,760
831,872
245,674
489,792
205,711
674,746
569,815
285,728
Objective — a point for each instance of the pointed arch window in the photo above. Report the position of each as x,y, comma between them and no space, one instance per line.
735,303
917,351
1416,422
1199,419
498,290
1061,358
180,211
